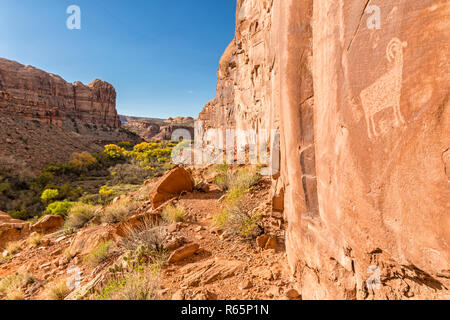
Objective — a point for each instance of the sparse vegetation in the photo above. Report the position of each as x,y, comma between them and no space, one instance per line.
35,240
138,285
234,217
80,215
173,214
119,210
115,171
14,247
57,290
145,245
99,254
13,287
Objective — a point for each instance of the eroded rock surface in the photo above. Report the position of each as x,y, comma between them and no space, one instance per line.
363,117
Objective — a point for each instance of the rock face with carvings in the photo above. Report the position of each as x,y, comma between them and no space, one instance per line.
363,118
38,95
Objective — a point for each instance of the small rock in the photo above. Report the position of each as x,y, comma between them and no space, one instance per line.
60,239
183,252
292,294
174,244
261,241
272,243
178,295
247,284
199,228
172,228
273,291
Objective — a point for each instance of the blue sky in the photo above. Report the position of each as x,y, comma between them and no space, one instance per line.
160,55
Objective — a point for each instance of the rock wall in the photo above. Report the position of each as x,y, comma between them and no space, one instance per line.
363,116
36,95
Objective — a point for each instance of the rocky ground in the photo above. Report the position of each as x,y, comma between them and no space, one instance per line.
204,261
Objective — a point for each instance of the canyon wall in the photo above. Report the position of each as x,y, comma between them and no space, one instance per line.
45,119
363,117
36,95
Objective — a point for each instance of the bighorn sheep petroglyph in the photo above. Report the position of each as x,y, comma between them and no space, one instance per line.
386,91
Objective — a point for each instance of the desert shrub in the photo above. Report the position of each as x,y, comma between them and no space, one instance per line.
35,240
49,194
13,247
13,286
138,285
237,221
106,191
145,245
223,176
57,290
114,151
130,173
119,210
60,208
79,215
83,161
172,214
19,214
99,254
125,145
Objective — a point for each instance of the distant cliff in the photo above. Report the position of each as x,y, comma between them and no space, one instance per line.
36,95
157,129
45,119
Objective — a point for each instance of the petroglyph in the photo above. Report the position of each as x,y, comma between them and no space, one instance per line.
386,91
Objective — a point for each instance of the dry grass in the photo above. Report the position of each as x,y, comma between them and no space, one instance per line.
14,247
137,285
119,210
234,218
13,287
145,245
173,214
35,240
57,290
80,215
99,254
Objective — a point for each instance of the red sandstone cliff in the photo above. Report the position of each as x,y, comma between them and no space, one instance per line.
364,124
45,119
36,95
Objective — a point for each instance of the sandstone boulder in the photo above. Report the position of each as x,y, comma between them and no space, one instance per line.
12,229
48,224
86,240
171,185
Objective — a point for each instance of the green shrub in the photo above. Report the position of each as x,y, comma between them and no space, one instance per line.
59,208
106,191
49,194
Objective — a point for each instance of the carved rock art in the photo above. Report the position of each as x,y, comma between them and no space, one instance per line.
386,91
